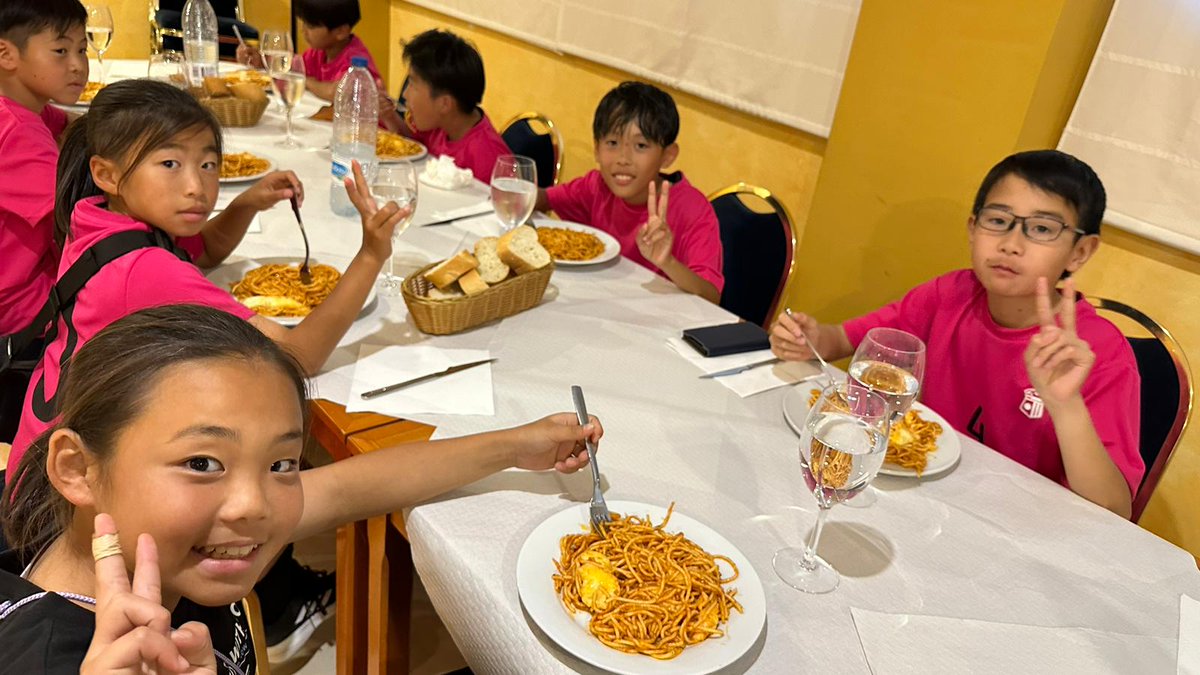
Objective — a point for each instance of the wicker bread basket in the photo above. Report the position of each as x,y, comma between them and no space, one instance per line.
231,111
444,316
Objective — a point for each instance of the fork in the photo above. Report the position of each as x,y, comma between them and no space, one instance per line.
305,273
600,516
812,347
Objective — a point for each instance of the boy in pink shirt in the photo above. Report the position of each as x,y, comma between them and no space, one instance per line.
1035,374
445,85
635,127
328,27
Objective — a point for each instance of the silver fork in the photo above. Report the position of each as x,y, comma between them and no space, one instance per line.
305,273
813,348
600,516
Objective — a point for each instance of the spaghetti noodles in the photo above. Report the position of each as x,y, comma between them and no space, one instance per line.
395,146
242,164
648,591
564,244
283,281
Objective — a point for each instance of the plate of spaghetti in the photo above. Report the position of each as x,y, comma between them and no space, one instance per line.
390,147
922,444
574,243
272,287
660,593
90,89
238,167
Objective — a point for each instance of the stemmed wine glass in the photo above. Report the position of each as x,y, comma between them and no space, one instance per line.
276,50
395,182
841,449
514,189
99,29
289,84
891,363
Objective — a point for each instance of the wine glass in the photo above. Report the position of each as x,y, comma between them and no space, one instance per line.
395,182
891,363
276,50
514,189
99,29
289,84
841,449
167,67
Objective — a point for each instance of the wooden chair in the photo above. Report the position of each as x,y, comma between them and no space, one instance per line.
166,32
544,147
759,251
1166,395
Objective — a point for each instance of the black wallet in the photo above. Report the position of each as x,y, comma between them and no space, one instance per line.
727,338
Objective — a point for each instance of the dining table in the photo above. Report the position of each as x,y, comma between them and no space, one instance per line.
989,563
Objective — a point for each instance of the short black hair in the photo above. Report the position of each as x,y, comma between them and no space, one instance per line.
450,65
22,19
652,108
328,13
1057,173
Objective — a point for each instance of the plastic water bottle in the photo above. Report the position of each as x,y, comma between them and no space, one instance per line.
199,41
355,122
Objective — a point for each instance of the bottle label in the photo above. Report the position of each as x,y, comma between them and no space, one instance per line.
340,170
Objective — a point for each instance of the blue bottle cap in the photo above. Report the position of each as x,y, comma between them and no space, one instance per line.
358,62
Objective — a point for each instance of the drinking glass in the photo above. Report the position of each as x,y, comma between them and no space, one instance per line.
167,67
395,182
289,84
277,53
514,189
841,449
99,29
891,363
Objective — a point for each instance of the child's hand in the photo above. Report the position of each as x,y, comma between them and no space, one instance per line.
1058,362
249,56
270,190
556,442
790,337
654,239
133,630
378,223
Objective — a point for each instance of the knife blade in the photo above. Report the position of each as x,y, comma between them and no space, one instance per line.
448,371
740,369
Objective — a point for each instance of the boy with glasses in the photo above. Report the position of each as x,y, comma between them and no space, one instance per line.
1035,374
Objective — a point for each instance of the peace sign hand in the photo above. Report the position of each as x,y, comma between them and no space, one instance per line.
133,630
1058,362
654,238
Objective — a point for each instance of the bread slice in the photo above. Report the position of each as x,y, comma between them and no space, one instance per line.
248,91
448,293
491,268
472,283
519,248
451,269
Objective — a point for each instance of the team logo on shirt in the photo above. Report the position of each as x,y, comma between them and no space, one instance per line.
1032,405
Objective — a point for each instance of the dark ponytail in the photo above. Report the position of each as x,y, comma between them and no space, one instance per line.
106,389
126,122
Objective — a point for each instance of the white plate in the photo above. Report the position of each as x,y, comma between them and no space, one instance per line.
252,177
612,248
941,460
535,569
230,273
411,158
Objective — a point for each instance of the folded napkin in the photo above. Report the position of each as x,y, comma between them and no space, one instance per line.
752,381
468,392
442,172
914,643
1188,656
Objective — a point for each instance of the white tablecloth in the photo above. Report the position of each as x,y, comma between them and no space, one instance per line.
989,541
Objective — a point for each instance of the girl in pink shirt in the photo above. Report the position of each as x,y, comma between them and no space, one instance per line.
147,157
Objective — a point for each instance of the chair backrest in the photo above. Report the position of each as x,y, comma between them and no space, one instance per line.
546,149
758,252
166,34
1166,395
258,632
229,9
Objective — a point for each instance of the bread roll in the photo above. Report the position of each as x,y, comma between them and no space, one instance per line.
248,91
451,269
519,248
448,293
216,87
491,268
472,283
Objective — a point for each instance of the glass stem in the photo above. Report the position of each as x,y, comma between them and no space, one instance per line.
810,550
100,64
289,124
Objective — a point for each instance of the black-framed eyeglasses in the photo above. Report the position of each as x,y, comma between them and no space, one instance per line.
1043,229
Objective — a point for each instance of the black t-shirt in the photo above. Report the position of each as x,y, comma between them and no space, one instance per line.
51,634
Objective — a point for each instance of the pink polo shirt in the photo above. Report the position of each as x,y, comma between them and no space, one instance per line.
148,277
975,375
28,156
691,218
477,150
316,66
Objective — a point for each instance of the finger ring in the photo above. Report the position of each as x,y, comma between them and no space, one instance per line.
105,546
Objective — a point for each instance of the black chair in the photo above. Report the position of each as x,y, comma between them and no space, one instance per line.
1166,395
546,149
758,252
166,33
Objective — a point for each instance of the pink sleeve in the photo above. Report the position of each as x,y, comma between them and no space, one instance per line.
573,200
1113,397
28,163
913,313
698,242
55,120
158,278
